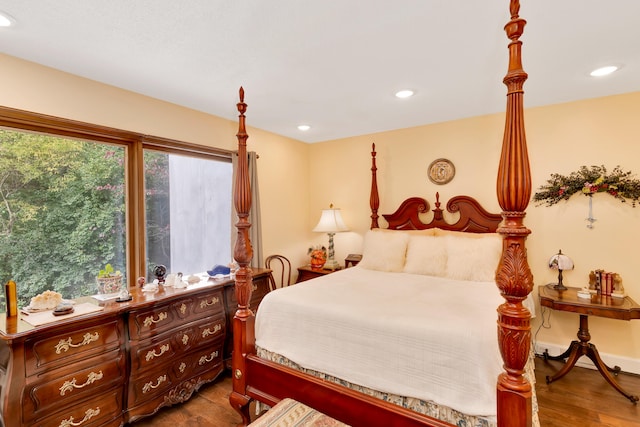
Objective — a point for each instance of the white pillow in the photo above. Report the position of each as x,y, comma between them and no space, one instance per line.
426,255
473,258
384,250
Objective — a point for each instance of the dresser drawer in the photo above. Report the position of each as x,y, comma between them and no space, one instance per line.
157,350
209,304
72,345
210,329
97,411
50,394
144,323
207,358
153,383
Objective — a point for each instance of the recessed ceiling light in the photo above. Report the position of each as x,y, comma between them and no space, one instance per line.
603,71
404,93
304,128
5,20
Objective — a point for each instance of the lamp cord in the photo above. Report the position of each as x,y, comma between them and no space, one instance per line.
546,324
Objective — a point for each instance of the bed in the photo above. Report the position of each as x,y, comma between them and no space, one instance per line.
320,383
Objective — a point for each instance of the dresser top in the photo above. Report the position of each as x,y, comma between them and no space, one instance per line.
16,327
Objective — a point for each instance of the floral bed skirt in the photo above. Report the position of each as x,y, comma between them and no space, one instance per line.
429,408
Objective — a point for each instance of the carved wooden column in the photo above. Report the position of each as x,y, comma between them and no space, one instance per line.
244,319
374,199
514,276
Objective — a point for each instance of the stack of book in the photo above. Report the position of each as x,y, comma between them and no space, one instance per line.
606,282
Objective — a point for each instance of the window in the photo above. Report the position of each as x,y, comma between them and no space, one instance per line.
62,214
188,212
71,202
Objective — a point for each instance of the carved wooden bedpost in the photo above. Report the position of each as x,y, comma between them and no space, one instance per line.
374,199
514,276
243,321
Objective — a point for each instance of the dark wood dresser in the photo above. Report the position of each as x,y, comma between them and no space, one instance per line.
119,364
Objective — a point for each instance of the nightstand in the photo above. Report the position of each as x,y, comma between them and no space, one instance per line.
352,259
306,273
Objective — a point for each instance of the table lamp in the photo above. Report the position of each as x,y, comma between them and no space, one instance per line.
331,223
560,262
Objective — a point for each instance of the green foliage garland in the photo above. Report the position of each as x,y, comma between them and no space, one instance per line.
589,181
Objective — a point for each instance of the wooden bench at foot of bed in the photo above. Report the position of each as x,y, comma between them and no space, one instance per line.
291,413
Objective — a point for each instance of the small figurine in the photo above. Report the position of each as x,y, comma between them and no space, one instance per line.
179,283
170,280
124,295
592,280
617,284
160,271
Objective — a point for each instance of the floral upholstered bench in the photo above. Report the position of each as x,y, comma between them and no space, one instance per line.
291,413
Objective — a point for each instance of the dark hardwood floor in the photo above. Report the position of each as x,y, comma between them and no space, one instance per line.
582,398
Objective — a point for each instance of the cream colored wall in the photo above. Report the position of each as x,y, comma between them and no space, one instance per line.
284,200
561,138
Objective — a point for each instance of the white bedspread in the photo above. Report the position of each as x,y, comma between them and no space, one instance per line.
411,335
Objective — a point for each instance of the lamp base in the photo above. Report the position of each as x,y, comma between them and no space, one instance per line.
559,287
331,264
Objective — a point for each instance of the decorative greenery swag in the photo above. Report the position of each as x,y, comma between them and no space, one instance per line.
588,181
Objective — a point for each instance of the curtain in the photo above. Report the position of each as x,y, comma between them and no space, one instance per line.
255,233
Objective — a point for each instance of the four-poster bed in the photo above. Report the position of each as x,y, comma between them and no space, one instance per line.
269,382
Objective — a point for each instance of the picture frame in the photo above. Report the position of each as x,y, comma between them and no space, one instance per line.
441,171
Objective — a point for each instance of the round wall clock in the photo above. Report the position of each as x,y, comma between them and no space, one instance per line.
441,171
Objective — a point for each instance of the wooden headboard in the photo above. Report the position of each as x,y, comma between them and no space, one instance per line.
473,218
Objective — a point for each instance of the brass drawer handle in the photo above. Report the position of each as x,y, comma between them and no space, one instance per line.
150,320
70,385
207,359
205,303
88,414
152,353
208,331
65,345
149,386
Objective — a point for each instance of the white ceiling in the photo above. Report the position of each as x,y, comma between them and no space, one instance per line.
332,64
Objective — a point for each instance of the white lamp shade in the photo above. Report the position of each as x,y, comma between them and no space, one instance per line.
331,222
560,262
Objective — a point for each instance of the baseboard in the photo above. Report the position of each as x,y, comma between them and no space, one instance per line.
626,364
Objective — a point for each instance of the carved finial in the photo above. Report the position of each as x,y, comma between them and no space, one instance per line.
242,107
515,8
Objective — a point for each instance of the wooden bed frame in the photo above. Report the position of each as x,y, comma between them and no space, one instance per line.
268,382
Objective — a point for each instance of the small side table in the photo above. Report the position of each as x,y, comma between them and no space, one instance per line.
306,273
599,305
351,260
